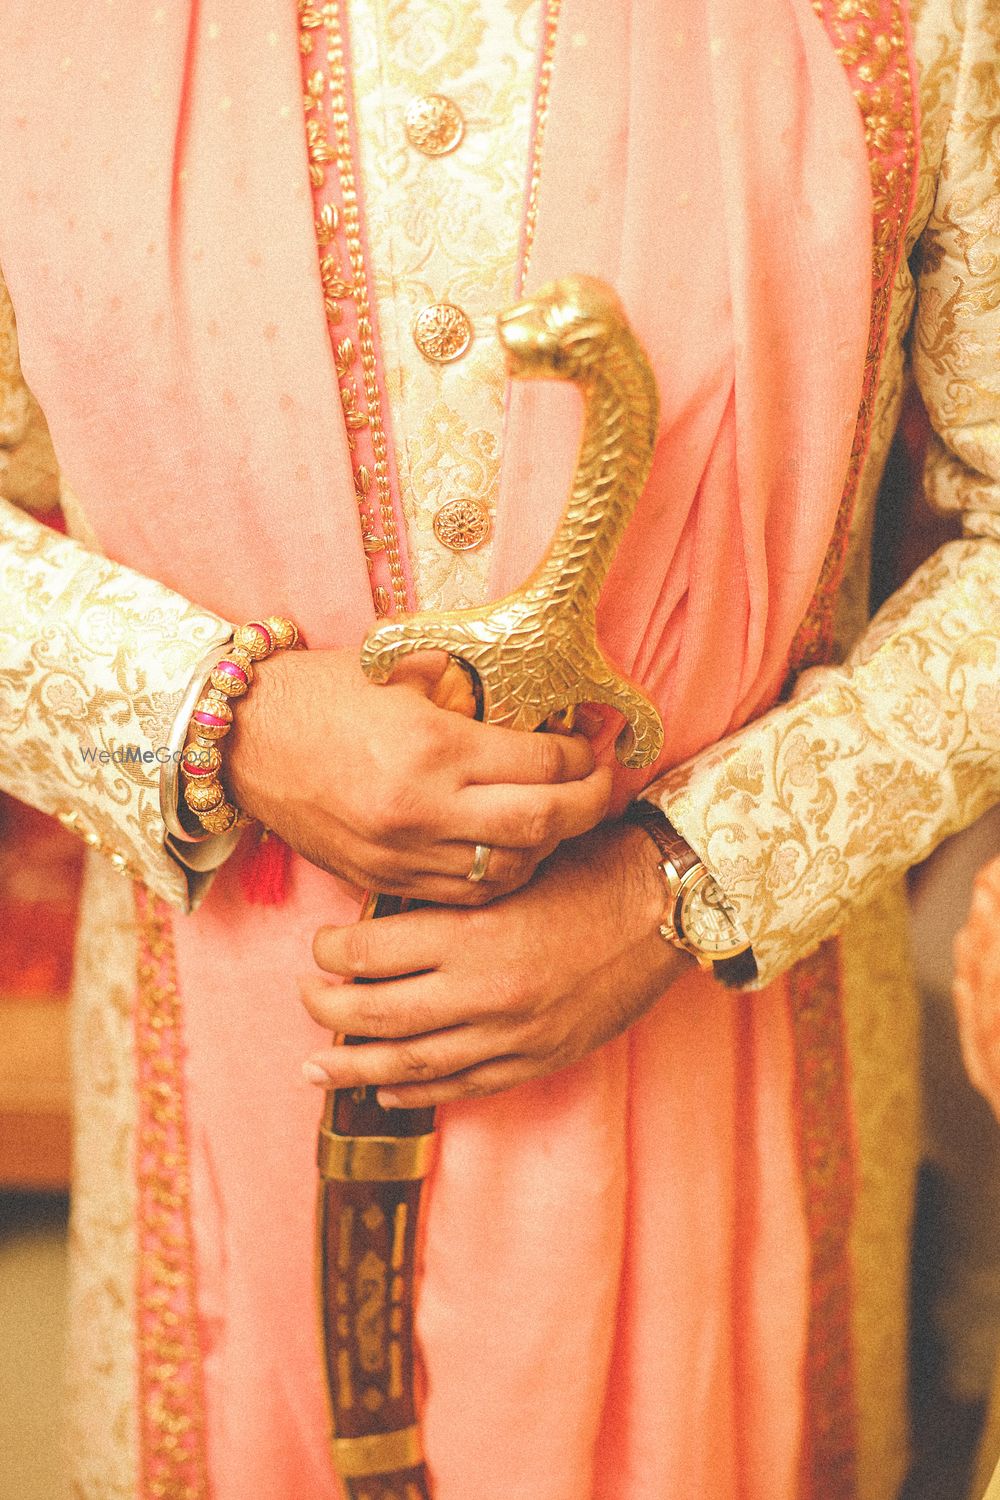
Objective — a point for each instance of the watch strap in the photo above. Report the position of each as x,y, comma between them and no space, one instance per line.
740,968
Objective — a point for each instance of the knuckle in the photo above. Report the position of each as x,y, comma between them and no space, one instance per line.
384,869
522,868
400,806
453,891
426,741
372,1018
357,950
540,825
540,1041
507,994
472,1088
548,757
420,1019
413,1063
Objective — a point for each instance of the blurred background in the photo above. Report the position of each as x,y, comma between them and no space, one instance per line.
956,1252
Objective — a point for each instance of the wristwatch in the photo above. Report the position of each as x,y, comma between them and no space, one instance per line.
699,918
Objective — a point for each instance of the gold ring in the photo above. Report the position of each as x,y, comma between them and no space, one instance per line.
480,861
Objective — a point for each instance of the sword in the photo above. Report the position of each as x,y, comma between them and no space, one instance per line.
533,658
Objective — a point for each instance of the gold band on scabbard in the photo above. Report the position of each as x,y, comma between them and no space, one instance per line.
374,1158
381,1453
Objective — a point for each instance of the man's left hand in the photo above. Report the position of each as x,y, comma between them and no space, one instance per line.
468,1002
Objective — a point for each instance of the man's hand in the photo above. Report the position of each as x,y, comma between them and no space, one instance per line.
392,792
473,1002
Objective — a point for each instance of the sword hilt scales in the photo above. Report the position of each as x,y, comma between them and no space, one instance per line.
535,657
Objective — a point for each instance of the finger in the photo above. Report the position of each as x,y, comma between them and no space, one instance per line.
406,944
492,1077
522,817
493,754
407,1006
506,869
439,890
418,1059
390,1009
423,670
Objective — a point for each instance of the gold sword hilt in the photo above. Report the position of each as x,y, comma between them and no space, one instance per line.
535,651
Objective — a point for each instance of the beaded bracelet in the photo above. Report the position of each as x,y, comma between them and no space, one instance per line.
213,718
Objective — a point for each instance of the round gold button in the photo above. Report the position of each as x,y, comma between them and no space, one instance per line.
461,525
442,332
434,124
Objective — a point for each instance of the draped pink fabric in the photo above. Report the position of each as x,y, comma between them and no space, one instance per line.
977,985
615,1260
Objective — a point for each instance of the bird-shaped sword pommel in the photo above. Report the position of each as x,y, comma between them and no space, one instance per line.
535,651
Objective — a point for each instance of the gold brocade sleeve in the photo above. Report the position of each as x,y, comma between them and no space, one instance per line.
807,812
94,660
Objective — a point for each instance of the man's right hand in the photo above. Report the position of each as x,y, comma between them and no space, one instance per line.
391,792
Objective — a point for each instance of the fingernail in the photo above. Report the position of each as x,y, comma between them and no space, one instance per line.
387,1100
313,1073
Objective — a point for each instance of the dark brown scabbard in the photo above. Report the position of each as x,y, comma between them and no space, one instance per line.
372,1163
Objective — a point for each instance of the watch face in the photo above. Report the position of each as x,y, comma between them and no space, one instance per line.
709,922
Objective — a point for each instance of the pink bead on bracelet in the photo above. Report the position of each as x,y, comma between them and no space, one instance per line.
212,720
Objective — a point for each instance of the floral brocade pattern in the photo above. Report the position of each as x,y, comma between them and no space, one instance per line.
887,733
101,1438
808,812
444,229
94,659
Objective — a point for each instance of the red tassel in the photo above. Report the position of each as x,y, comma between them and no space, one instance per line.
264,876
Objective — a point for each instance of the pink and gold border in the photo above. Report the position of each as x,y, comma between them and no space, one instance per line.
873,42
872,39
173,1462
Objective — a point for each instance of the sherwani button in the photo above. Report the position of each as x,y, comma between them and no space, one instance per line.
442,332
434,124
461,525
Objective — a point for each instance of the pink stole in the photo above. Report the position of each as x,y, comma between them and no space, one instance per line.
615,1295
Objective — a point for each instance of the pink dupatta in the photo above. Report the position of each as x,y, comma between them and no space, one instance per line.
977,985
614,1292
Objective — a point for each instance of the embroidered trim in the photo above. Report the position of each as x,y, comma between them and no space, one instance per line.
872,40
550,28
346,299
173,1463
826,1156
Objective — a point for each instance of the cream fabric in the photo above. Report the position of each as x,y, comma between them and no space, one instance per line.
445,229
56,595
807,812
803,814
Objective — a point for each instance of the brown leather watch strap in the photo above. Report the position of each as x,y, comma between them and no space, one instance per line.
740,968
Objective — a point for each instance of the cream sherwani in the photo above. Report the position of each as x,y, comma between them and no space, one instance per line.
807,816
